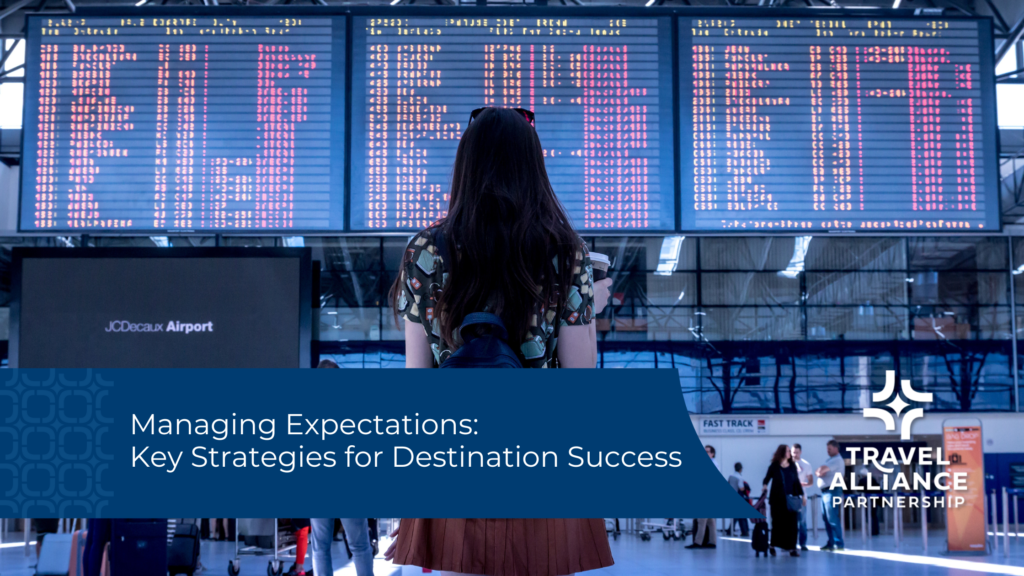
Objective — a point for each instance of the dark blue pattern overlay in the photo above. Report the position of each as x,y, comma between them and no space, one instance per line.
53,458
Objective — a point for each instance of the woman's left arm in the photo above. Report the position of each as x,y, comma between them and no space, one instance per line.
417,347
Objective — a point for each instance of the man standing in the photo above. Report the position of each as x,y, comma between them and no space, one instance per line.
826,473
707,527
806,475
357,531
743,489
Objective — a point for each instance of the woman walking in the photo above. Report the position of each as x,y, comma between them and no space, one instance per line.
786,498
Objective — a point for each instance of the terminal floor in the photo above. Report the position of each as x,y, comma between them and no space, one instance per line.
660,558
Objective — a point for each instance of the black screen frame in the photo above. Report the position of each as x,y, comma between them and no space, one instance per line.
303,255
989,118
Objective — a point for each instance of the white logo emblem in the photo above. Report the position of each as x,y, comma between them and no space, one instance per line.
897,404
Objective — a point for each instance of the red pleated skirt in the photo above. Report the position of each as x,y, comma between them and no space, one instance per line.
498,547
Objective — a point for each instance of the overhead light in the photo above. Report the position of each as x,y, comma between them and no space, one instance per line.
161,241
141,2
650,3
668,258
1018,270
896,4
796,263
294,242
393,2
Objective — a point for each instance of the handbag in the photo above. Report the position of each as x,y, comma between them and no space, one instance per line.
793,503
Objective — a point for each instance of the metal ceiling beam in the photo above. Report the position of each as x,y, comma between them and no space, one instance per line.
14,8
1011,41
1008,74
1000,22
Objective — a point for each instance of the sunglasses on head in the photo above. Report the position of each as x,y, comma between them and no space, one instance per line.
527,114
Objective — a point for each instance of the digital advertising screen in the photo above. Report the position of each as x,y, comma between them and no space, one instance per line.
837,124
137,308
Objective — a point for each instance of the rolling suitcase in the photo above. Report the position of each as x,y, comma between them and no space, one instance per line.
55,555
105,562
138,548
77,567
183,555
760,539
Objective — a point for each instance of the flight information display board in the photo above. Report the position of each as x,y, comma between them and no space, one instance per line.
220,123
221,120
837,124
601,89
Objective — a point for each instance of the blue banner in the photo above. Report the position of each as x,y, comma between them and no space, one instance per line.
353,443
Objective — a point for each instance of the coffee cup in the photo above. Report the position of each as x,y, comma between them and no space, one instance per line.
601,264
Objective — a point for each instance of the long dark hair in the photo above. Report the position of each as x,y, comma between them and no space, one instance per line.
504,228
780,454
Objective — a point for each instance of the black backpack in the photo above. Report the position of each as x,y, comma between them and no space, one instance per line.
483,349
480,349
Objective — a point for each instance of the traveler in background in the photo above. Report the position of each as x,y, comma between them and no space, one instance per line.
357,530
710,451
785,482
44,526
214,523
810,487
301,527
97,536
510,250
830,511
707,528
743,489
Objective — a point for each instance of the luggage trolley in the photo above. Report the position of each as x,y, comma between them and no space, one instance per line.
671,529
611,526
275,567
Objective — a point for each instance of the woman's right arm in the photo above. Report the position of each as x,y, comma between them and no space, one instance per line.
577,336
577,346
417,347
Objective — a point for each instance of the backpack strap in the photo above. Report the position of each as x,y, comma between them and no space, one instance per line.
473,318
476,318
481,319
442,246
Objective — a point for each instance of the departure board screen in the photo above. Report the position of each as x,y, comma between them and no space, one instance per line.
601,90
221,123
837,124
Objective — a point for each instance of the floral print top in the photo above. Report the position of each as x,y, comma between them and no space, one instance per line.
423,276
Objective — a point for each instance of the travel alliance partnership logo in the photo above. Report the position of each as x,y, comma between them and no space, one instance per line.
897,404
172,326
899,477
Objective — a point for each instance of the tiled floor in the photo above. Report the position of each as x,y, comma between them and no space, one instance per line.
660,558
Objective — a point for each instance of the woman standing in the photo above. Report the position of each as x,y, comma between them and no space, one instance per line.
785,481
510,250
